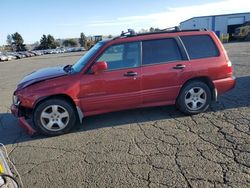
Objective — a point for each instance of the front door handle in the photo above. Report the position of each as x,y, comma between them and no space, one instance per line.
131,73
179,66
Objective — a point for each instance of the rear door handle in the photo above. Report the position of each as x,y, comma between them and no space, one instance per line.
131,73
179,66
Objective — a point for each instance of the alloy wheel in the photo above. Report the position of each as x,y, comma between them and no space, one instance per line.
54,118
195,98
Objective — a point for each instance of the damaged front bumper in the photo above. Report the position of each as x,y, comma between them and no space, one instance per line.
22,121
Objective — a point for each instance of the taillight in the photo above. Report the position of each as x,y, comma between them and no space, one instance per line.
230,67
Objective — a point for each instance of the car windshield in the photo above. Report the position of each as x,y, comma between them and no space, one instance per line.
77,67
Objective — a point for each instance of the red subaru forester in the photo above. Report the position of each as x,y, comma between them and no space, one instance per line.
186,68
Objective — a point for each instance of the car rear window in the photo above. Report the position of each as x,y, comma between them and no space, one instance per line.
160,51
200,46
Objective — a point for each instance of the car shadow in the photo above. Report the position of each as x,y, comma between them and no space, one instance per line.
12,133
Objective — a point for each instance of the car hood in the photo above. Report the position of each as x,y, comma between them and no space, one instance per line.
41,75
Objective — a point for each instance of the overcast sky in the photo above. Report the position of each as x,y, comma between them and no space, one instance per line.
67,18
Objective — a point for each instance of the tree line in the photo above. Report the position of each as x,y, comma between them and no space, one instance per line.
16,43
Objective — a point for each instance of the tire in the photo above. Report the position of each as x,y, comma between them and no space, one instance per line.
54,117
194,98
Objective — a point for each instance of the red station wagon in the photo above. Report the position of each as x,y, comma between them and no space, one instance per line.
188,68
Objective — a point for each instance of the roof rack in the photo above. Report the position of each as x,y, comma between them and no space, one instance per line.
175,29
129,33
132,33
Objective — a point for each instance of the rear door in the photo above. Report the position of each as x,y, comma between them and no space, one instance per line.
164,67
205,57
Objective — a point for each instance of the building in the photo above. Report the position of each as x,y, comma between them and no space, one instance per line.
220,24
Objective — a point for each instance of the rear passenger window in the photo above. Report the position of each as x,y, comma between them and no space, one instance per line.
160,51
200,46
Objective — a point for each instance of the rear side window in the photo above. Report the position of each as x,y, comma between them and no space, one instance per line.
200,46
160,51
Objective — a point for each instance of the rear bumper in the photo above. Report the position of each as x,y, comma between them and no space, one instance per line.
224,85
22,121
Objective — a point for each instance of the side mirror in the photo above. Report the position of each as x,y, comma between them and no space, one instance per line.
99,67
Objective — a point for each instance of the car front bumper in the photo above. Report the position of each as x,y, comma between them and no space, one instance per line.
22,121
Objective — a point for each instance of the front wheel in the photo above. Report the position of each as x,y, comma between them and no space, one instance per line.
54,117
194,98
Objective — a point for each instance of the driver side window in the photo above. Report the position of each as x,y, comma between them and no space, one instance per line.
122,56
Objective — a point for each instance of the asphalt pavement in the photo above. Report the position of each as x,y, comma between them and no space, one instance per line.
151,147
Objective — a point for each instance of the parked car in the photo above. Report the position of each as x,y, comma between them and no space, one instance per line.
36,53
69,50
32,54
79,49
10,56
29,54
3,57
18,56
186,68
22,54
63,50
51,51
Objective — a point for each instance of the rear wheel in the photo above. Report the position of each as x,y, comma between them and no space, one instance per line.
54,117
194,98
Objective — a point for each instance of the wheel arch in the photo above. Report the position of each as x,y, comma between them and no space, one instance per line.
63,97
205,80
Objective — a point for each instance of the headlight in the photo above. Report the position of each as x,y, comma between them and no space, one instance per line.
15,100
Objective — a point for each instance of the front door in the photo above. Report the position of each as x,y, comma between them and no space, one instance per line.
117,88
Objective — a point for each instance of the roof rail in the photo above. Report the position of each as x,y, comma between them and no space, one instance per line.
176,29
201,29
131,32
